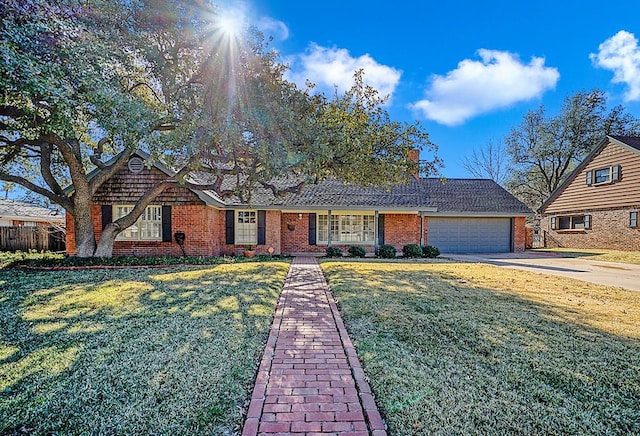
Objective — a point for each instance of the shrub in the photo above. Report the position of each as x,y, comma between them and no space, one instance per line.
412,250
333,252
356,251
387,251
430,251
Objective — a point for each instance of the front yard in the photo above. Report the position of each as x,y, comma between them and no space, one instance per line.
473,349
140,351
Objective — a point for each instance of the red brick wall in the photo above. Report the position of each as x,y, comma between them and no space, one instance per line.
609,230
297,240
401,229
519,234
198,222
272,236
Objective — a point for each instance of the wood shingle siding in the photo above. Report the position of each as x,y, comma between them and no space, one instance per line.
578,196
127,188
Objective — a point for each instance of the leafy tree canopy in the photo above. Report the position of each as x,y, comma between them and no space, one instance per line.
544,149
86,84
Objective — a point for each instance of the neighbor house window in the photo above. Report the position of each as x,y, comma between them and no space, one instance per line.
246,231
147,228
29,224
575,222
347,229
633,219
603,175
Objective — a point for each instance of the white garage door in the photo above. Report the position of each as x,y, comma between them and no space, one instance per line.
470,235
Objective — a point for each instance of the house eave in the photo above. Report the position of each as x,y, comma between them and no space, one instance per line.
445,214
53,219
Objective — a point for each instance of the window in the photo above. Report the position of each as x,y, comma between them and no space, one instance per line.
603,175
246,231
347,229
29,224
147,228
576,222
633,219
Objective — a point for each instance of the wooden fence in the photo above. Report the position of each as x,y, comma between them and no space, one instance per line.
31,238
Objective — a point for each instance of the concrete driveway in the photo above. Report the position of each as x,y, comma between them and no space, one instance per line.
605,273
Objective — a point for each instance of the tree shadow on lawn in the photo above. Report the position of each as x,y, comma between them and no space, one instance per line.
445,355
133,351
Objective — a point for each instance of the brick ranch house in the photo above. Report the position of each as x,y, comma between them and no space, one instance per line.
459,215
597,206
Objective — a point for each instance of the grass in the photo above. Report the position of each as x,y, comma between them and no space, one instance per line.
145,351
453,348
632,257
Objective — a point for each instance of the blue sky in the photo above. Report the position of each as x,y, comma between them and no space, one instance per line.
468,70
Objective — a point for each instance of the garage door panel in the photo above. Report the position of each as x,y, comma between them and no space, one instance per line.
470,235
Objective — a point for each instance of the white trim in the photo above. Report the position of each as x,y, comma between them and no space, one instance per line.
252,228
53,219
331,215
121,236
475,215
594,178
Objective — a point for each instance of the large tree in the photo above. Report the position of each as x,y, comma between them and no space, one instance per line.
488,162
86,84
543,150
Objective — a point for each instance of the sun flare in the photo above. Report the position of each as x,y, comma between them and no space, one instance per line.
230,22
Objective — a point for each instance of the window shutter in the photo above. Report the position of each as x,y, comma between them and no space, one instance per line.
587,221
615,173
312,229
262,227
166,224
107,216
230,227
589,175
553,223
380,229
633,219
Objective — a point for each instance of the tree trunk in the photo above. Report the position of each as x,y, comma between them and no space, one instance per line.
84,234
107,239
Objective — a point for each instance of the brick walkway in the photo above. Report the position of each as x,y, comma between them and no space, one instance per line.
310,380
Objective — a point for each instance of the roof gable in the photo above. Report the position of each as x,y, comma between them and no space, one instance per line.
609,151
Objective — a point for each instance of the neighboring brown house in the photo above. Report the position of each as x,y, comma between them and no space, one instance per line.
458,215
597,206
20,214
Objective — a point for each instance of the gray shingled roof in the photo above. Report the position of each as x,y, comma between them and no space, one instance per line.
15,209
460,196
472,195
450,195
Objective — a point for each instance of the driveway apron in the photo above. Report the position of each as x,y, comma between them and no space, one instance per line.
310,380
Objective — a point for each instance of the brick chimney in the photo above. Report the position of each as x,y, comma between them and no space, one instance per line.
414,155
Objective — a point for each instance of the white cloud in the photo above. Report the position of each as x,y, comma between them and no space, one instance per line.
621,54
499,80
329,68
272,27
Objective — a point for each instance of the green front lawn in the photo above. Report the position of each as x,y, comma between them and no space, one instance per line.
457,348
632,257
144,351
